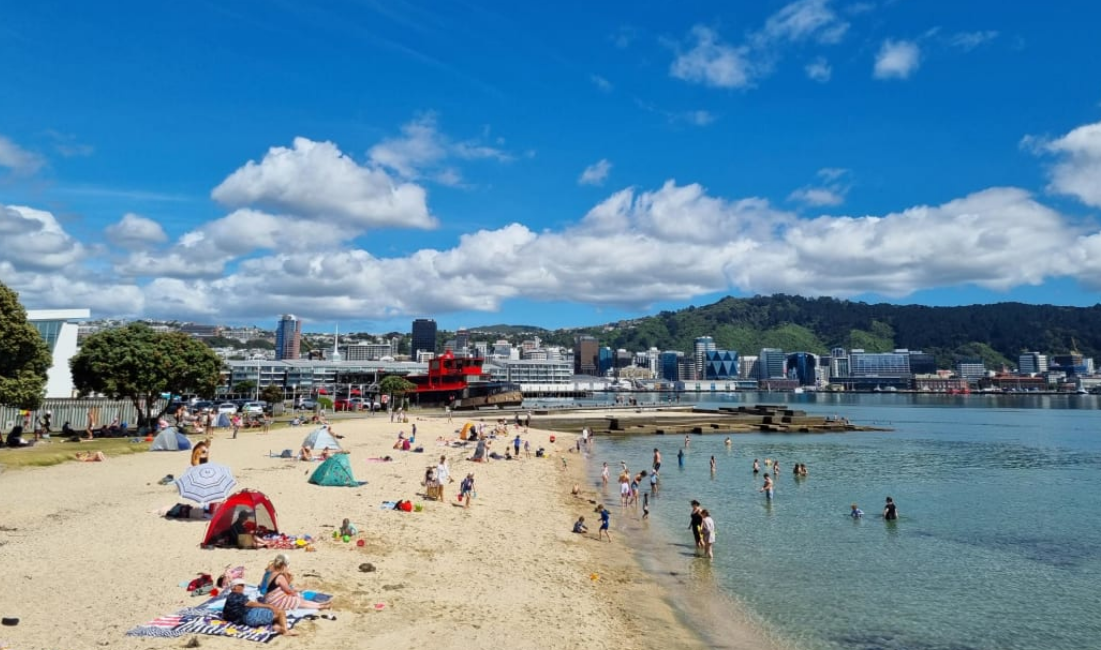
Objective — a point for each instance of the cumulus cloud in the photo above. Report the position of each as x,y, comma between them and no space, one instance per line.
136,231
315,180
601,83
897,60
1078,171
711,62
704,58
830,190
422,150
819,70
34,240
596,173
19,160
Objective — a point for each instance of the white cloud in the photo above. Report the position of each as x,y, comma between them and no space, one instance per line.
601,83
831,190
968,41
135,231
897,59
711,62
315,180
422,151
19,160
35,241
805,20
1078,172
819,70
596,173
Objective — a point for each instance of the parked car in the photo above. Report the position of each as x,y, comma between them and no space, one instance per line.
307,404
229,408
344,404
253,407
201,407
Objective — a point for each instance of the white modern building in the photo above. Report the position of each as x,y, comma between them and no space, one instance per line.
60,333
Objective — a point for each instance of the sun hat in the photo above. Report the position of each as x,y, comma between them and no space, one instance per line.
238,583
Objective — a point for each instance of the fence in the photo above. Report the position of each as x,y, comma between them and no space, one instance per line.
76,413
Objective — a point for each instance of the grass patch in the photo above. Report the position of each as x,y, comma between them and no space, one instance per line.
57,451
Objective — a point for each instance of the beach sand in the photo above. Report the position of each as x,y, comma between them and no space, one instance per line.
86,557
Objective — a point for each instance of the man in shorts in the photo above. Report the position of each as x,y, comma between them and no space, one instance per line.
242,611
605,521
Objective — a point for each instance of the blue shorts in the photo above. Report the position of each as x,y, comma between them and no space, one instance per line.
259,616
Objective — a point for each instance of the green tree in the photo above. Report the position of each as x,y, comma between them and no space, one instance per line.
139,364
397,387
272,394
244,387
24,357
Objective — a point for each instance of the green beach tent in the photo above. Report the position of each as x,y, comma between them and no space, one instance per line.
336,471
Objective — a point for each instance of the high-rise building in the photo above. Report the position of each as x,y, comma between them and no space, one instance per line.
803,366
1032,363
586,352
720,364
424,337
670,364
702,346
772,361
288,337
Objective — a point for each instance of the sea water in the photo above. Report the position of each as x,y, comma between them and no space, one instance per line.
997,545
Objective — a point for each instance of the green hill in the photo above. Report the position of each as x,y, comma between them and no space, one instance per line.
996,333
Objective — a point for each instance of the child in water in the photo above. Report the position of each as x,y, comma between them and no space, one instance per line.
856,512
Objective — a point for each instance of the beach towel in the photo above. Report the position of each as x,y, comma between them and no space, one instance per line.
207,619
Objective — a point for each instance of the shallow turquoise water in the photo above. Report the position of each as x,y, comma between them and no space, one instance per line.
997,547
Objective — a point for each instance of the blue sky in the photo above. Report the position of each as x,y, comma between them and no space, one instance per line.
367,163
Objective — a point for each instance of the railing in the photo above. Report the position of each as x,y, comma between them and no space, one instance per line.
76,413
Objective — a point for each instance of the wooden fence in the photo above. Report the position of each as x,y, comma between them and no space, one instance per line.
76,413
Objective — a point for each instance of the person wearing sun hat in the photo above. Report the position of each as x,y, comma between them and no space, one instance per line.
241,610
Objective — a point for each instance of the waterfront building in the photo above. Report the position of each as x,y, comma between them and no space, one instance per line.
288,337
839,362
424,337
721,364
58,330
879,364
367,351
771,364
534,372
1072,365
971,369
922,363
803,366
749,367
586,353
671,361
1032,363
701,346
605,361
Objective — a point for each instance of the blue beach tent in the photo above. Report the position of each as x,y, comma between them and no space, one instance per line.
170,439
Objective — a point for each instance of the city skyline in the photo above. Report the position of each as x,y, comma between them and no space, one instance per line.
381,163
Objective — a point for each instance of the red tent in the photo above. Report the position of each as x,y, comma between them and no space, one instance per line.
261,515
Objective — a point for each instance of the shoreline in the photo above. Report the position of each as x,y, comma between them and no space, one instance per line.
692,602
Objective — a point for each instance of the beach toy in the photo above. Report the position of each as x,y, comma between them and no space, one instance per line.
418,508
360,543
347,538
594,576
336,533
300,542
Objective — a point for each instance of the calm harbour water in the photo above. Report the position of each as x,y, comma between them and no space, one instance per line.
997,546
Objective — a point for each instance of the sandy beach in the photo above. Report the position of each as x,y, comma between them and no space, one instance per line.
86,555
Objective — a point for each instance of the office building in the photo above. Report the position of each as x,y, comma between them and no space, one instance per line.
424,337
1032,363
721,364
586,356
771,364
803,366
701,347
288,338
60,334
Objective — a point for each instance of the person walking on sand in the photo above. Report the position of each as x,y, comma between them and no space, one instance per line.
605,522
707,533
516,445
767,488
466,490
695,521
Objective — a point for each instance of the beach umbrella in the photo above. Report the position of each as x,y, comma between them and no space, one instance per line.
205,483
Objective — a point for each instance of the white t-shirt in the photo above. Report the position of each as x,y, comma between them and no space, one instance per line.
708,530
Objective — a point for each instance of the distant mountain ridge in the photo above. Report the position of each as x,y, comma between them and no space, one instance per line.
996,333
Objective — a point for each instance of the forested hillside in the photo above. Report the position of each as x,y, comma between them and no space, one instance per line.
996,333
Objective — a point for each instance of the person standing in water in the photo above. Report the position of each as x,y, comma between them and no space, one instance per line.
604,474
890,512
712,464
767,488
686,442
695,522
657,459
707,533
756,466
727,442
680,457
